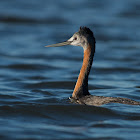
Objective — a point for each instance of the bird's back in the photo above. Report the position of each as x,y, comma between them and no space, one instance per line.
100,100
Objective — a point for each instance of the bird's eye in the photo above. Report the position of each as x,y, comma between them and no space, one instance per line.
75,38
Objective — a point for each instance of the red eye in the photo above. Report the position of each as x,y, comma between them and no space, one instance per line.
75,38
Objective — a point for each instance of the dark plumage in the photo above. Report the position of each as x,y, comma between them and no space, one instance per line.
85,30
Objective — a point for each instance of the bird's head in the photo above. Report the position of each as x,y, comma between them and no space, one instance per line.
81,38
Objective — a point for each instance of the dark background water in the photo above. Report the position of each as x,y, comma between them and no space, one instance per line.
35,82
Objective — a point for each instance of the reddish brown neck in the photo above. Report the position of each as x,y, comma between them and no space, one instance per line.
81,87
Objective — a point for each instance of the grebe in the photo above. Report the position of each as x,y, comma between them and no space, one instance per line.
85,38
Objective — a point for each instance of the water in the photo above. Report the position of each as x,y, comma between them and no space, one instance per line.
35,82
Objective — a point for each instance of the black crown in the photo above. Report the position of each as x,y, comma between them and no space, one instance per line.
85,30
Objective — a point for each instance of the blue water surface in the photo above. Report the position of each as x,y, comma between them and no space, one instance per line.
35,82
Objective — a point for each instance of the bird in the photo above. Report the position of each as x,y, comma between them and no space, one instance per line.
85,38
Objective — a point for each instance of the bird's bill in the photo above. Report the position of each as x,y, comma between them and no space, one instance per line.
59,44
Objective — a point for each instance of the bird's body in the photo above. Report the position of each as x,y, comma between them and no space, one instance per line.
100,100
85,38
